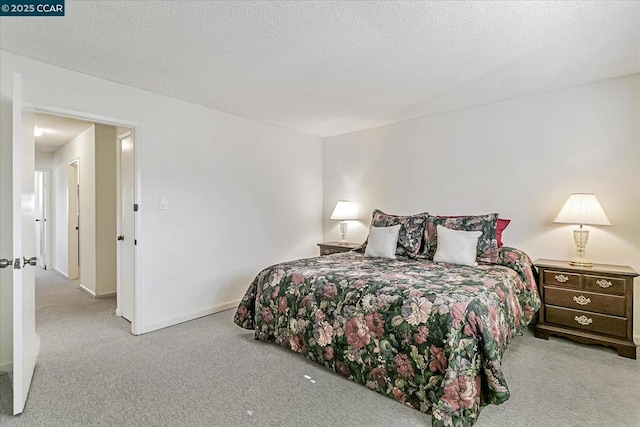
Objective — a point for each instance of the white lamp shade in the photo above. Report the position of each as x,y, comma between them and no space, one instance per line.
343,211
582,209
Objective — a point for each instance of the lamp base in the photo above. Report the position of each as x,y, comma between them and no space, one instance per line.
343,231
581,237
580,262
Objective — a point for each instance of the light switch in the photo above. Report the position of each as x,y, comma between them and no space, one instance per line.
164,203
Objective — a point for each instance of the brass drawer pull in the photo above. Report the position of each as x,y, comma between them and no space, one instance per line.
584,320
582,300
561,278
603,283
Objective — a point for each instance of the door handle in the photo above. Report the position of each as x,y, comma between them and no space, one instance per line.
4,263
121,237
31,261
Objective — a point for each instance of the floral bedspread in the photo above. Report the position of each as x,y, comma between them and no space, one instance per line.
426,334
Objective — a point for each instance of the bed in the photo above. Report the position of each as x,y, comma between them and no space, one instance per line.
430,335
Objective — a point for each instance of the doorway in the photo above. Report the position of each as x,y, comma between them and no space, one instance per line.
94,203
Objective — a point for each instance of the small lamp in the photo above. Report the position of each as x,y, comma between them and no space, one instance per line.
343,211
582,209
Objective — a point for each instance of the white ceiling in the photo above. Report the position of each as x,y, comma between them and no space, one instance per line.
57,131
326,68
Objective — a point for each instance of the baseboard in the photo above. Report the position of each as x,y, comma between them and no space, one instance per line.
88,291
6,367
106,295
60,272
93,295
118,313
636,340
181,319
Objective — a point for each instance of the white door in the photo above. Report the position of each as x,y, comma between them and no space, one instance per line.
25,341
126,228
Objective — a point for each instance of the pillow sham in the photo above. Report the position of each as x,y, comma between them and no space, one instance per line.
456,246
487,250
500,226
382,242
411,231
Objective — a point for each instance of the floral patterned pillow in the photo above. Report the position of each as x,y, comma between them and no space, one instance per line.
487,243
411,234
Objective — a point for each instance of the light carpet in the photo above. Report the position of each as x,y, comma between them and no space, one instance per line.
92,372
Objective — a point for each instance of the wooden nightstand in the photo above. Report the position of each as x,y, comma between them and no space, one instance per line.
590,305
329,248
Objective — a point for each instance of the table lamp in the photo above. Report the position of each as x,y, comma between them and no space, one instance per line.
582,209
343,212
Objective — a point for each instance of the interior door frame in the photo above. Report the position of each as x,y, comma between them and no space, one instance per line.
136,131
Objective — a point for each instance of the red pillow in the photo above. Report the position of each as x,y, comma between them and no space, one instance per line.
500,226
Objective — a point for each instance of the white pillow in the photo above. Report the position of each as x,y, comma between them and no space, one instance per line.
382,242
457,246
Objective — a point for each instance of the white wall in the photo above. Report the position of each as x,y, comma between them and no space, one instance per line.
81,148
521,158
43,160
242,194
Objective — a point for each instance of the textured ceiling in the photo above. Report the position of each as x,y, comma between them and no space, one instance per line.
326,68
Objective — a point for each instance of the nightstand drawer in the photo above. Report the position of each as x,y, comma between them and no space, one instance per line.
561,278
587,321
599,303
612,285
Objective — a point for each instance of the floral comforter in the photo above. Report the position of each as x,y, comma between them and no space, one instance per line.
429,335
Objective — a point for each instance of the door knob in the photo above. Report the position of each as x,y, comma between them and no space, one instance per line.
121,237
4,263
31,261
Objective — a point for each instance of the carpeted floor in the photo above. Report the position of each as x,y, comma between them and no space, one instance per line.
5,394
92,372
